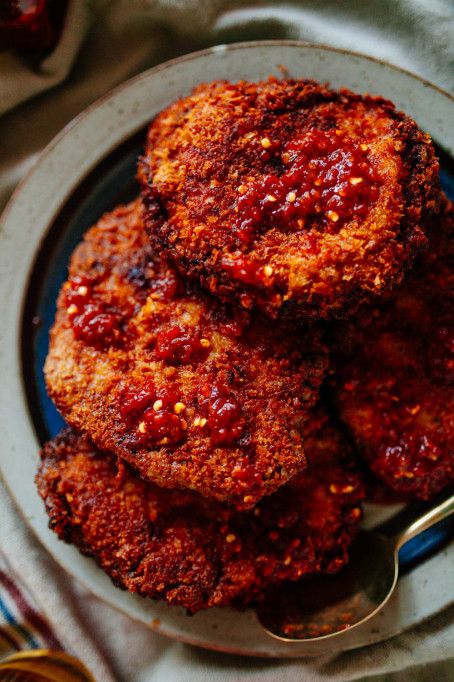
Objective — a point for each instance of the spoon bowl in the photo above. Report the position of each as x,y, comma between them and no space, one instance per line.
327,606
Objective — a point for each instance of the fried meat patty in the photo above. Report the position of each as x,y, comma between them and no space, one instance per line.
191,393
287,195
176,546
395,379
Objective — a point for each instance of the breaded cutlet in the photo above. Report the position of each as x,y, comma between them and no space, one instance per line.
176,546
394,375
191,393
289,196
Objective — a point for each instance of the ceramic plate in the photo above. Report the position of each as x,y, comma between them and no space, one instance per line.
87,170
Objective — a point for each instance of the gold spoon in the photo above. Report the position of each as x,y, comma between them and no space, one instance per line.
326,606
43,665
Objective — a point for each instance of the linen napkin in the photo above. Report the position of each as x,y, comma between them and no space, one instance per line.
103,42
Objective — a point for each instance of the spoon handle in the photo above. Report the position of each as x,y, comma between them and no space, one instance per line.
425,521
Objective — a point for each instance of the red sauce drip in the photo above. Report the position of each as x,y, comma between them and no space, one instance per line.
151,410
248,475
178,345
244,269
404,449
166,285
329,178
416,454
225,421
134,401
95,326
92,322
78,291
163,427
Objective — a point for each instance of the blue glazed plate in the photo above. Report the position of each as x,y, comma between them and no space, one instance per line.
88,170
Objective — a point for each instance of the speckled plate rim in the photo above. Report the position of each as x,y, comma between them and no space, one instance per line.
81,145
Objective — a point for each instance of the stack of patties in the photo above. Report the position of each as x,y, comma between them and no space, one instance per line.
189,345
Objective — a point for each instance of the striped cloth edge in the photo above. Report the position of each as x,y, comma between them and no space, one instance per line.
21,624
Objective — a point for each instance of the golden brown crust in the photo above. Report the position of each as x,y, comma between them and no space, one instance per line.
395,375
177,546
207,157
189,392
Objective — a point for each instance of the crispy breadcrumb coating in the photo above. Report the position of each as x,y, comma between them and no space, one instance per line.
289,196
395,376
176,546
191,393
